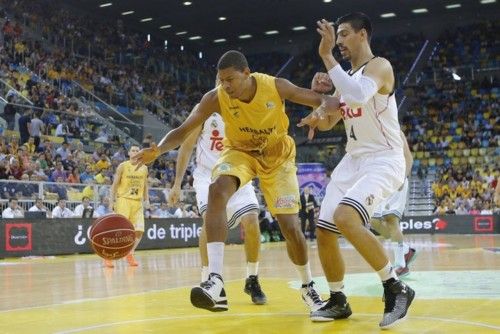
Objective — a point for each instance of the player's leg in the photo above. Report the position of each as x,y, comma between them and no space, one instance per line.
232,169
137,219
243,208
331,259
201,184
353,214
281,192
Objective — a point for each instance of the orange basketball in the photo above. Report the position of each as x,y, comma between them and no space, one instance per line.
112,236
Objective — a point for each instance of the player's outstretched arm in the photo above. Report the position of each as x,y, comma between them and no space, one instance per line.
208,104
114,187
183,156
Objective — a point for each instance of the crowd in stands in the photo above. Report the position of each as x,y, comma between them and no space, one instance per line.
451,126
124,68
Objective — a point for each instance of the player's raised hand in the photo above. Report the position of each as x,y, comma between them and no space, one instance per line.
174,195
328,37
321,83
145,156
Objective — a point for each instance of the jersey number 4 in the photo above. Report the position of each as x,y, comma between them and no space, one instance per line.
351,134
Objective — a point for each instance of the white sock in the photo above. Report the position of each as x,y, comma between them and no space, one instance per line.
336,286
387,272
204,273
399,254
252,268
304,273
215,257
406,249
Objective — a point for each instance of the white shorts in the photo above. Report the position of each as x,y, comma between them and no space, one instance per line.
394,205
242,202
362,183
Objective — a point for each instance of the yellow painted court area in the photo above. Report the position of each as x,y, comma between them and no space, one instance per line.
76,294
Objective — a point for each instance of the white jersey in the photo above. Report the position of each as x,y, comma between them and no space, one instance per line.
209,145
373,127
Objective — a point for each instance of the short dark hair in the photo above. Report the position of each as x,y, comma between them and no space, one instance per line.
357,21
12,199
234,59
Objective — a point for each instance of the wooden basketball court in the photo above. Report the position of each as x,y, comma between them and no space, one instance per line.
457,280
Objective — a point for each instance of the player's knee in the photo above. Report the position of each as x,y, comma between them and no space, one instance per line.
289,227
392,220
221,190
344,217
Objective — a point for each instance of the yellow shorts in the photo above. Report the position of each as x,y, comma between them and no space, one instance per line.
132,210
276,171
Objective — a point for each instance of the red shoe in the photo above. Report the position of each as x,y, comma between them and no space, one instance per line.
131,260
410,256
108,264
402,272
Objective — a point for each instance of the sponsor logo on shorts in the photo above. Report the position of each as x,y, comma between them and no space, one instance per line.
369,199
224,167
286,202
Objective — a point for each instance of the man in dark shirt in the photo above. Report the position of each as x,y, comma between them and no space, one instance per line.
25,127
308,206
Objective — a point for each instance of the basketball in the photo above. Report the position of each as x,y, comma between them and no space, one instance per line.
112,236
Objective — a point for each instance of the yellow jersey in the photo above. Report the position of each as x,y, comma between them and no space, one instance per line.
257,126
132,182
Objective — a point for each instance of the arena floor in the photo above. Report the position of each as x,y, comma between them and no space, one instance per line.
456,278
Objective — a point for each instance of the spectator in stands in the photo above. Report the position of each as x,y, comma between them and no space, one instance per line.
9,113
63,151
13,210
120,155
81,207
103,208
24,126
163,211
487,209
61,211
73,175
38,206
103,163
14,169
37,128
58,173
87,175
461,209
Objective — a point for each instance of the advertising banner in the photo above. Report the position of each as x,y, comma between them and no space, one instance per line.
450,224
312,175
22,237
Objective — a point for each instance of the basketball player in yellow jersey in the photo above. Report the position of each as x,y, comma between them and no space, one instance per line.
256,145
130,190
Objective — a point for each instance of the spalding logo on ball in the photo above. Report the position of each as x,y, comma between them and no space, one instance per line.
112,236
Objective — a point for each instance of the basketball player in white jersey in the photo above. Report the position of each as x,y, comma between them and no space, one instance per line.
388,214
372,169
242,206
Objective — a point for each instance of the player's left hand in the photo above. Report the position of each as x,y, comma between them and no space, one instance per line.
328,37
312,120
146,156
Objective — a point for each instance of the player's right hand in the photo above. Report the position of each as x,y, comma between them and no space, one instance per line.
174,195
321,83
146,156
